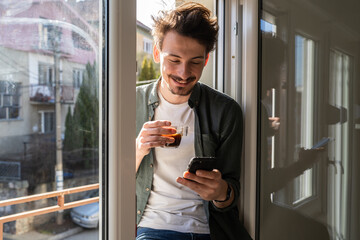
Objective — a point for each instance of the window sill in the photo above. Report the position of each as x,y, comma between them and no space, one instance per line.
11,120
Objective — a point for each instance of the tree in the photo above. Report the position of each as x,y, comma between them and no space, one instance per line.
69,131
152,73
83,127
147,71
144,72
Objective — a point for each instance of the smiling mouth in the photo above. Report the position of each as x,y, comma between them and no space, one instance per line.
182,81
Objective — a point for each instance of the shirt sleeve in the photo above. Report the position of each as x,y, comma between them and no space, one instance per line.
229,151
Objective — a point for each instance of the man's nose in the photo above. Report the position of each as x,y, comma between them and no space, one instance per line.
184,71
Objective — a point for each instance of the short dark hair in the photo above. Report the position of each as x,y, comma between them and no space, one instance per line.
191,20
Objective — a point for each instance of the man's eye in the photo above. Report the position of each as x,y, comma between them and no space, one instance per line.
195,63
174,61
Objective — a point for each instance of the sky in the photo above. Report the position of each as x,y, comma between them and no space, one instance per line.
146,8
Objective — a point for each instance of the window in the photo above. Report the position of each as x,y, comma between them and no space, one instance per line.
305,103
267,23
47,35
46,74
45,46
9,100
80,42
47,122
77,78
148,46
311,191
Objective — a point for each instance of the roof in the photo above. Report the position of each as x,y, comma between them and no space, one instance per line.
143,26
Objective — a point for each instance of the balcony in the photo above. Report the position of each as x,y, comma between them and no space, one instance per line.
45,94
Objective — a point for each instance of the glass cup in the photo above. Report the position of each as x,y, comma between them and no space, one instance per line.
180,132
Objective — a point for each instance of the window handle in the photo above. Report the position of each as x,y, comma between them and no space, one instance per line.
336,163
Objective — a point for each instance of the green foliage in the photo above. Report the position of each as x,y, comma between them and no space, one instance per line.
148,70
82,128
152,73
69,131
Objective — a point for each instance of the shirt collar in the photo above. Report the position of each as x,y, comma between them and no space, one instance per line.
195,96
153,97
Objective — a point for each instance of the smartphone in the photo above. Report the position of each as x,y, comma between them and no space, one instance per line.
201,163
321,143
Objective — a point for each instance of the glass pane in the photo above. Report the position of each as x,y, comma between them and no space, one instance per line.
3,86
13,113
3,113
6,100
16,100
49,138
310,118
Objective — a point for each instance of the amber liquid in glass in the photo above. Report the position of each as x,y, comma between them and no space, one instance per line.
176,143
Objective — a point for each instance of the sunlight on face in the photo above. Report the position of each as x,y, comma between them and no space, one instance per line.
182,60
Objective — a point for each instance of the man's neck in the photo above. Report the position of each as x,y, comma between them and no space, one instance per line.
170,97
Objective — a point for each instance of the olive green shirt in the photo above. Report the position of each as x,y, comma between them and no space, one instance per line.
218,133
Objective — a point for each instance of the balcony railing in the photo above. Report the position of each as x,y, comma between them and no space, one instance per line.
61,205
46,93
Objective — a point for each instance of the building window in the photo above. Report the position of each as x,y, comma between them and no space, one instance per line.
45,35
80,42
9,100
77,78
267,23
147,46
47,122
46,74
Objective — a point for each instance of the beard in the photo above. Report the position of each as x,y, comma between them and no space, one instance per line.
180,91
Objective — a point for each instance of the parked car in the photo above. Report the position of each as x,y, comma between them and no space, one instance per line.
87,216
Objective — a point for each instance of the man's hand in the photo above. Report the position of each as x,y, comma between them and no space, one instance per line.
274,123
150,136
208,184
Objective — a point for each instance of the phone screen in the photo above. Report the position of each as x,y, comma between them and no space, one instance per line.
321,143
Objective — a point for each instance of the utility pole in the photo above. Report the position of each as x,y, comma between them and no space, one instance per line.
59,176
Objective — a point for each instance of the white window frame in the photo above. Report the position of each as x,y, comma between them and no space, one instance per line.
11,104
78,76
44,33
237,75
148,45
122,116
43,122
49,74
249,100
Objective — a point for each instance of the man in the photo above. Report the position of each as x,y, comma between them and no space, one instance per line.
171,202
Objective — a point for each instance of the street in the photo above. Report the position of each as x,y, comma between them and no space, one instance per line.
88,234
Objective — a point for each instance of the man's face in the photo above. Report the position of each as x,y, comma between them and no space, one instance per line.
182,60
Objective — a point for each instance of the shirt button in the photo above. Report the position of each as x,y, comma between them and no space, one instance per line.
151,165
138,212
147,189
149,118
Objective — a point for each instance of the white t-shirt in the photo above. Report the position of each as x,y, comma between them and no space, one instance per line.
172,206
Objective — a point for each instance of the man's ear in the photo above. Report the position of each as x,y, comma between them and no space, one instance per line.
156,54
207,58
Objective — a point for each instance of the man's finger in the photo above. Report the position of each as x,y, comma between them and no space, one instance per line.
196,178
157,123
159,131
197,187
156,138
154,144
214,174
